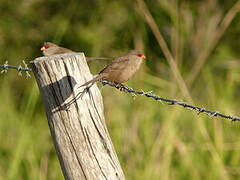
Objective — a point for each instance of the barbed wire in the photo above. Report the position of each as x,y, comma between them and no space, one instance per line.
19,68
126,89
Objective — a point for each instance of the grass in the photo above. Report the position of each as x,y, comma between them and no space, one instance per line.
153,140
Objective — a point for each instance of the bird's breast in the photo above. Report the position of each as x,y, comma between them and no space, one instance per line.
124,74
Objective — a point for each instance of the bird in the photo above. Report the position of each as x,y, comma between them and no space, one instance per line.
50,48
121,69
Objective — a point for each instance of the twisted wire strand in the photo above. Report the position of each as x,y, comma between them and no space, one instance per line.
170,101
5,66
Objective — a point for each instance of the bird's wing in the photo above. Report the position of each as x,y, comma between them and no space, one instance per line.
117,64
62,50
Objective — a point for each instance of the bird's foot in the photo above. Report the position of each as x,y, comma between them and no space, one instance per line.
104,82
120,86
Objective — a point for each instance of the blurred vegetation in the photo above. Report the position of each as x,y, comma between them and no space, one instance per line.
200,65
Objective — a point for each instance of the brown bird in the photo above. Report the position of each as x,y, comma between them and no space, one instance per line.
121,69
49,49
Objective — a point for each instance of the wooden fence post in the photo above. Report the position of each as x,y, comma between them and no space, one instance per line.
77,124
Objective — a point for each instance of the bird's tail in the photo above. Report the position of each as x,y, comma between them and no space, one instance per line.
95,79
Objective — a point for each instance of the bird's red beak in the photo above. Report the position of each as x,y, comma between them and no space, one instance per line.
143,57
43,48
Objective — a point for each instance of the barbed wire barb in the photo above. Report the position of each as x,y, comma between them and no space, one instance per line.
26,67
4,67
19,68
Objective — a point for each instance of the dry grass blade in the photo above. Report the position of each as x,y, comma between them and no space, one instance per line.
226,21
176,73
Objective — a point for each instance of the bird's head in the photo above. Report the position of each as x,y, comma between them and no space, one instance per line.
141,55
48,45
137,53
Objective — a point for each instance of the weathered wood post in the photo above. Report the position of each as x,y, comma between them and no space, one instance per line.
77,124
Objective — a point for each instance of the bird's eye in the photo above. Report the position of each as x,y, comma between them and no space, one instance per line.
139,55
47,46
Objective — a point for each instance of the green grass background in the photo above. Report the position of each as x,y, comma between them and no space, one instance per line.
152,140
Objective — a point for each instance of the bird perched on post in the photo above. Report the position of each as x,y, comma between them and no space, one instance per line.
50,48
121,69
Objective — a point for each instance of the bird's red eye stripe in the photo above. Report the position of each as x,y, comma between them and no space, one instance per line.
46,46
141,56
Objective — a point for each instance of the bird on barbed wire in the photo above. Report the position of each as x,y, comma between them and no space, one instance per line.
50,48
121,69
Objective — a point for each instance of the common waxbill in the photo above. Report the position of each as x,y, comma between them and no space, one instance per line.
120,69
50,48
